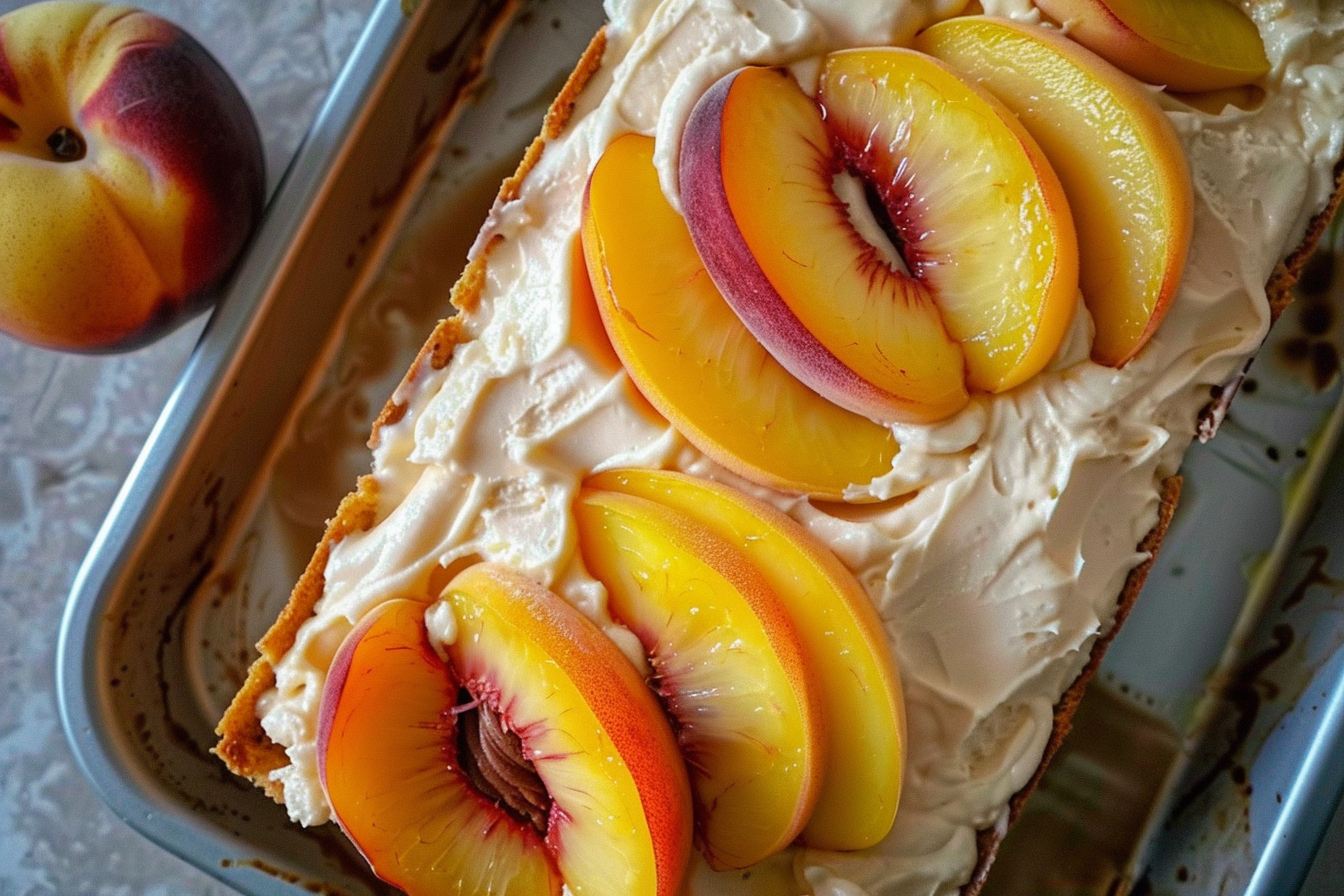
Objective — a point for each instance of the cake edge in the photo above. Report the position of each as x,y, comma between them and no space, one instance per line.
244,746
1279,291
248,752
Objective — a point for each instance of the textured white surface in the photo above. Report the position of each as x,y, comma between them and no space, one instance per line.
70,428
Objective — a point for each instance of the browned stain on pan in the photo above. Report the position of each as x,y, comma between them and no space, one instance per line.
1244,691
1315,576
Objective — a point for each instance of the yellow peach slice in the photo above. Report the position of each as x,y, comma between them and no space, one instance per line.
756,180
982,216
588,334
1117,155
842,640
522,755
694,360
586,331
727,664
387,746
1189,45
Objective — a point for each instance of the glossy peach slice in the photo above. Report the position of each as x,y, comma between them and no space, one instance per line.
727,664
843,644
387,756
1118,157
1189,45
988,281
982,215
756,182
588,334
694,360
517,754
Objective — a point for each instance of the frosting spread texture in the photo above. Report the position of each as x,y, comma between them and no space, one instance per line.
996,546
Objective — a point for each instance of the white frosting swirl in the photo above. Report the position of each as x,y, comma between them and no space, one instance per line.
994,580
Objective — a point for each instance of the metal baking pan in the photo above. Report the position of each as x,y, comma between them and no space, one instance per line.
264,434
152,637
1205,758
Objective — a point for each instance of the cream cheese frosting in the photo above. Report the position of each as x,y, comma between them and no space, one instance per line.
997,545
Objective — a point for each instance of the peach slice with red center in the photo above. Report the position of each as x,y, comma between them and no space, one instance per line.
522,755
1118,157
694,360
988,283
1189,45
842,639
727,663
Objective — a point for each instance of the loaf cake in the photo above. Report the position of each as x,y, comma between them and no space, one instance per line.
1004,539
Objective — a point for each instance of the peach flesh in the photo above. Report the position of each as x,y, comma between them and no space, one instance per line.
1116,153
980,219
589,335
843,643
568,737
984,219
727,663
1184,45
388,759
621,816
925,382
691,356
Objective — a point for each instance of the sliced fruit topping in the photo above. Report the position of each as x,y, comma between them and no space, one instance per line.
727,664
532,757
694,360
588,334
1117,155
982,218
1181,44
388,756
841,637
756,178
586,330
980,223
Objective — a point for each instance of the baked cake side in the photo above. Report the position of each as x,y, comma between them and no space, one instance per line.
243,745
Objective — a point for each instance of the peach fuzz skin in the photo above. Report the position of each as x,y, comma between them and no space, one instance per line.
1189,45
619,818
989,280
688,353
842,639
1117,155
131,175
727,663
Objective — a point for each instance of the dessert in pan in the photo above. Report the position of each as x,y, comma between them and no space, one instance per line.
809,418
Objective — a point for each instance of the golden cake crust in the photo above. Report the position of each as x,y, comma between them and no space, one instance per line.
248,752
243,745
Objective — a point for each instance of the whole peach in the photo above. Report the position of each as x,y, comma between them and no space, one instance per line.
131,175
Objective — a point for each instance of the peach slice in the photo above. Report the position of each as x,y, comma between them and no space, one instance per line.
1189,45
694,360
973,208
1118,157
727,664
588,334
756,180
980,210
388,760
527,757
842,640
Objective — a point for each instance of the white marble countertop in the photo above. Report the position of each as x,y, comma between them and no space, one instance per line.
70,429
